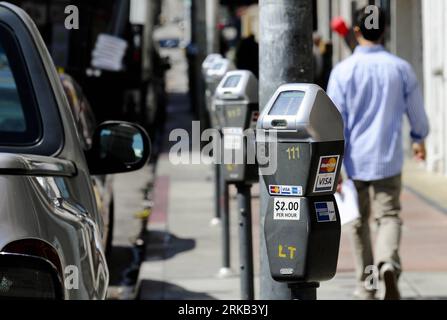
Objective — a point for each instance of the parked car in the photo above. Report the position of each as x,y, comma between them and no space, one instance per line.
52,231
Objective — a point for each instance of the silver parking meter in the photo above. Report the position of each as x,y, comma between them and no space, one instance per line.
213,68
236,106
237,110
214,74
302,223
209,60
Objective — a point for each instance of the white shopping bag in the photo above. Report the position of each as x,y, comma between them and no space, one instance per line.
347,202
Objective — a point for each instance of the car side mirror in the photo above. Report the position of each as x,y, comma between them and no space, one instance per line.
118,147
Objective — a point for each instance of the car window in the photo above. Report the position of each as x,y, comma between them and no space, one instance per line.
19,122
12,118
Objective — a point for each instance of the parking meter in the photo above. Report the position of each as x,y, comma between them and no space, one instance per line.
214,74
237,109
209,60
216,70
236,105
302,223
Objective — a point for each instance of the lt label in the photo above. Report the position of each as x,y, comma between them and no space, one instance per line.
286,252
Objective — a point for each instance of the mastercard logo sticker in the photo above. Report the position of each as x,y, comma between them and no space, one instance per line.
326,174
275,189
328,164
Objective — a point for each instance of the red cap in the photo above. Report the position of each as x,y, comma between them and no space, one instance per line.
338,25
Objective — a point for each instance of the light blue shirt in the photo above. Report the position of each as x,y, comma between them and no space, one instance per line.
373,89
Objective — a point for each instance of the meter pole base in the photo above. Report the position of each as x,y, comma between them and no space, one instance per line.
225,219
303,291
217,215
245,241
225,273
214,222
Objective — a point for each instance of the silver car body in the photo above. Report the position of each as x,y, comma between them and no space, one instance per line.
45,203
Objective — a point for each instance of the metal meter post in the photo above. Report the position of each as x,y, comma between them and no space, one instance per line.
236,104
213,77
207,64
302,223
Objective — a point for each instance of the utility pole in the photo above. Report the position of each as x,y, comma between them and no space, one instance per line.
212,15
285,56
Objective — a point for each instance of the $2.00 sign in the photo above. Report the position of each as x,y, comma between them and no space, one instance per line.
286,208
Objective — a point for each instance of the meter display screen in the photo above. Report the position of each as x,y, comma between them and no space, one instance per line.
218,66
232,82
287,103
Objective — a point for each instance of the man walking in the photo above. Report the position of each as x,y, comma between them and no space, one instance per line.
373,90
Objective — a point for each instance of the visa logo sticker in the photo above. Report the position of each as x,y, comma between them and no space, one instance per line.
325,211
279,190
327,170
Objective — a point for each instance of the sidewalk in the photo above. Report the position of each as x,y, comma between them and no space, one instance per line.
184,250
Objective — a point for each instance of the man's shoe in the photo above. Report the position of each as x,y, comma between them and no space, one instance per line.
389,276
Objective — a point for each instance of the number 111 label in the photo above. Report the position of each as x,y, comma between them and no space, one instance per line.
286,208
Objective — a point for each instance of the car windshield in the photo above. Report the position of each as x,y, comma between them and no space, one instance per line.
12,118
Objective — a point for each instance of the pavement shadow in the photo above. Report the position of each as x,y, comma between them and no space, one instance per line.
159,290
162,245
